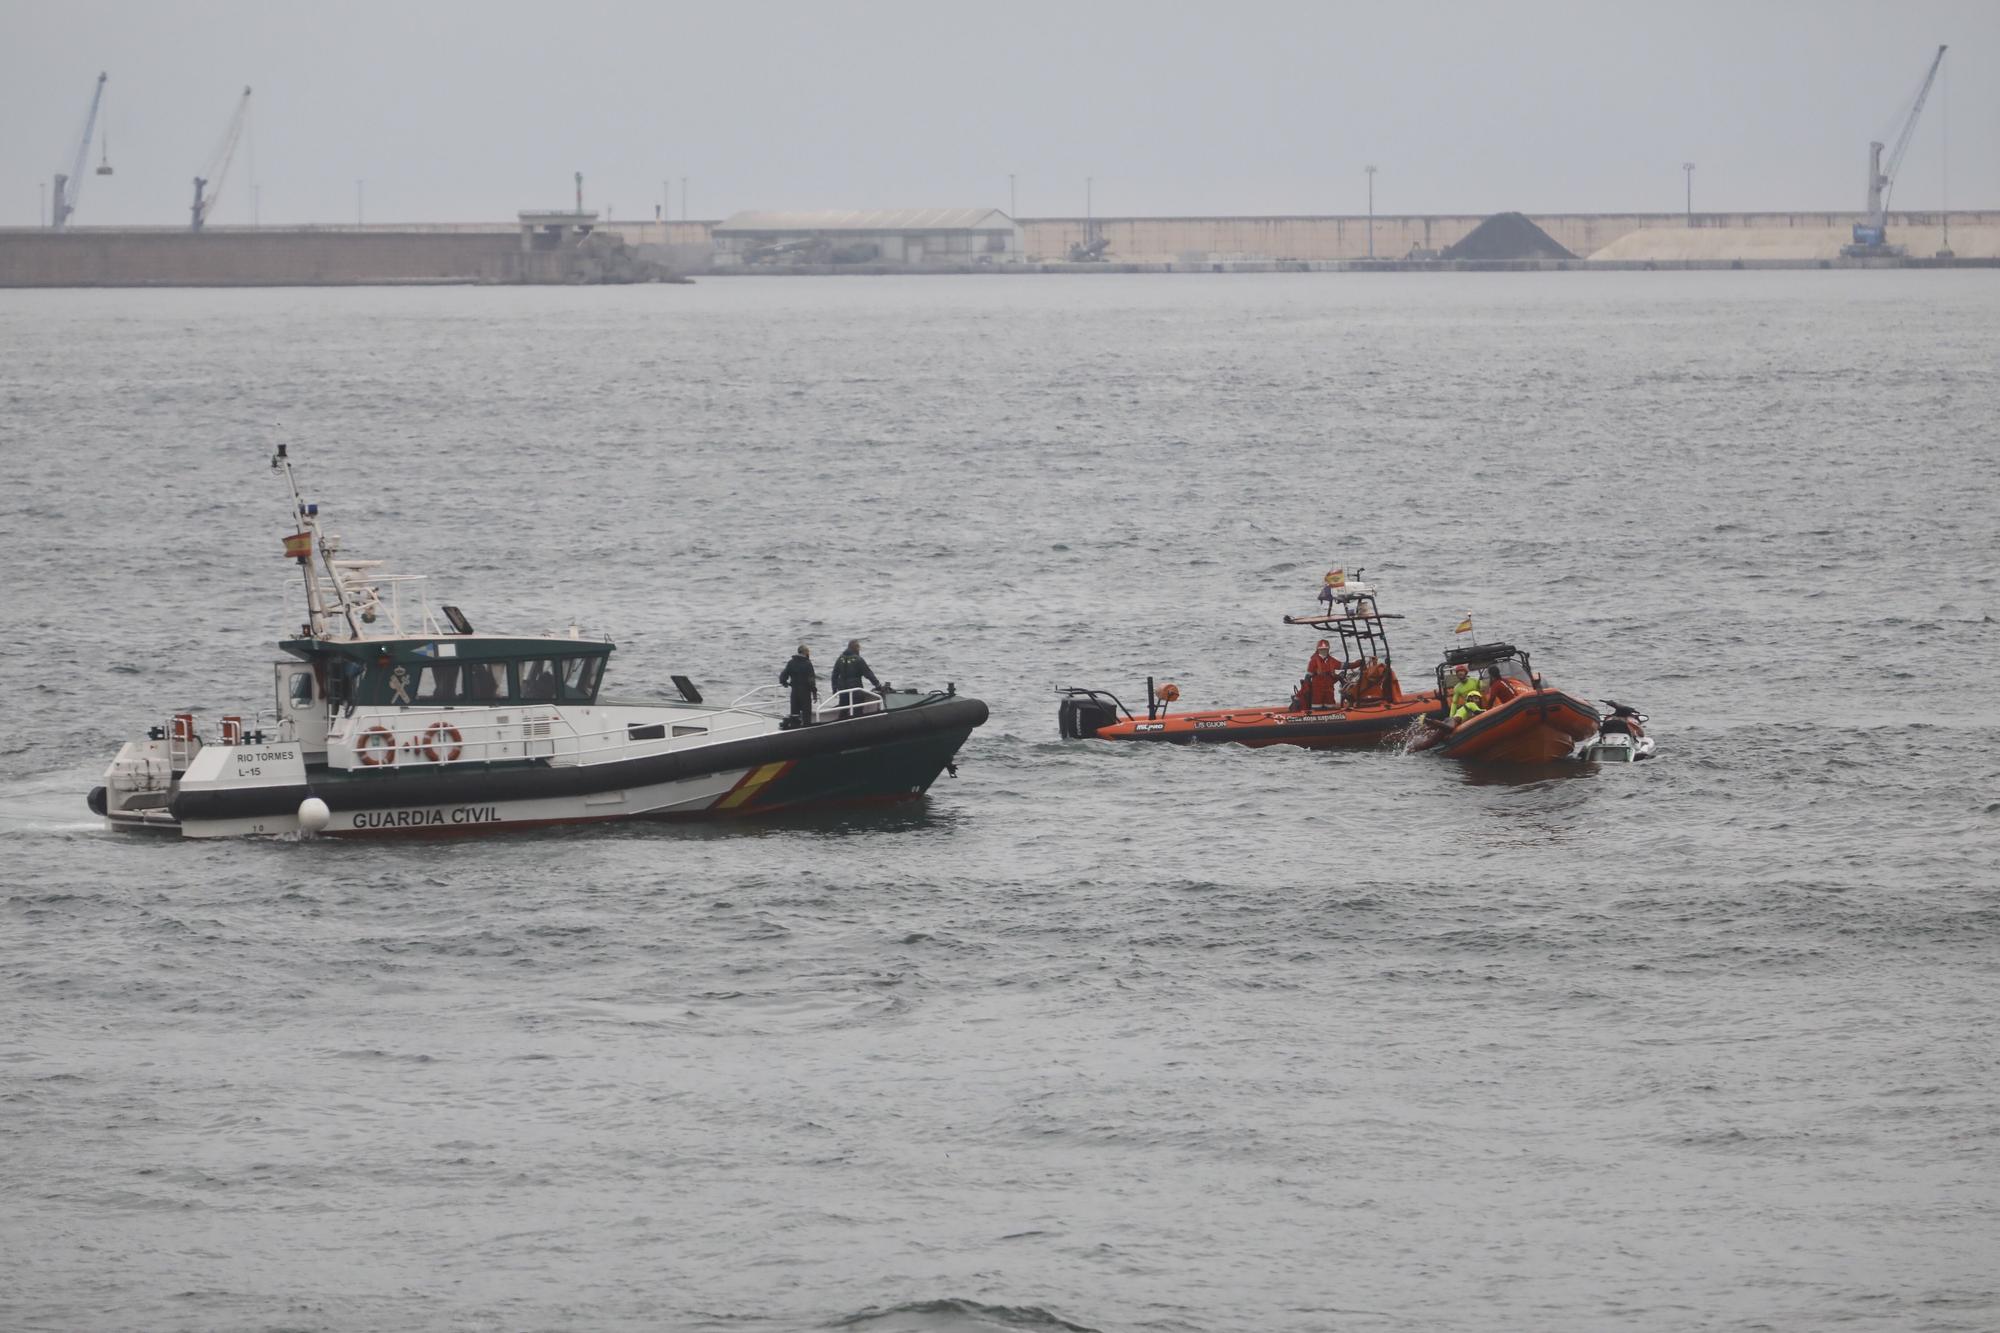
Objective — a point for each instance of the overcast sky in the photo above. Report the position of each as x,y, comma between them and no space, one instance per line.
458,111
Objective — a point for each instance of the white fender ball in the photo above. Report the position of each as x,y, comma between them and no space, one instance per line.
313,814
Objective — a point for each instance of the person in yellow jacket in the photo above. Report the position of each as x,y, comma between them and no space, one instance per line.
1465,697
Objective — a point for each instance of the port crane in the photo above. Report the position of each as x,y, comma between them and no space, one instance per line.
218,164
1871,237
69,186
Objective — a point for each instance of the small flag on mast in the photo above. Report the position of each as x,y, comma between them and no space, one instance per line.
299,545
1336,578
1465,625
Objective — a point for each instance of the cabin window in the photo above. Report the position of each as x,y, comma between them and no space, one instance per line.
573,679
458,683
579,677
437,684
302,687
484,683
539,678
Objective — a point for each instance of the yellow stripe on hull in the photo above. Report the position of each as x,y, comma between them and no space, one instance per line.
753,782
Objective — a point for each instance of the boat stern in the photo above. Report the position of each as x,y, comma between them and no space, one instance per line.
138,785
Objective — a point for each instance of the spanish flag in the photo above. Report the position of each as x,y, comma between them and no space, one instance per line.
299,546
1465,625
1336,578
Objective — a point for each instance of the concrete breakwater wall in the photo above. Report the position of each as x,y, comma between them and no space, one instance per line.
272,257
1582,234
1186,240
646,251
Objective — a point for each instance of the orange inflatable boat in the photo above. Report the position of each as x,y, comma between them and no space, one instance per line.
1349,696
1497,709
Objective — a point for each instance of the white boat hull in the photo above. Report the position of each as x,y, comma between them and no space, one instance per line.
265,789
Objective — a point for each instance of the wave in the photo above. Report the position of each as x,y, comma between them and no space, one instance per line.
955,1315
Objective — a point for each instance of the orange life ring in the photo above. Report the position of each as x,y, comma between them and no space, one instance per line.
435,748
375,754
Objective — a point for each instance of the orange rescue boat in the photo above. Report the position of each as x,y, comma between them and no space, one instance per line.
1349,697
1501,711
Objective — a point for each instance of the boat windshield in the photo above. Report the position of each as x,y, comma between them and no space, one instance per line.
1500,669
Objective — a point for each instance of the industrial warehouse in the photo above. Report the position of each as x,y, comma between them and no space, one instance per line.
910,236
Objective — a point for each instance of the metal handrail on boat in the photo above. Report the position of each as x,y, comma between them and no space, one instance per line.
849,703
525,734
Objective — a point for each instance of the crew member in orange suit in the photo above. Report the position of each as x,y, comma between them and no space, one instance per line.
1323,677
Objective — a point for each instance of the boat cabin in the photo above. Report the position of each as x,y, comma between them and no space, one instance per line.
459,672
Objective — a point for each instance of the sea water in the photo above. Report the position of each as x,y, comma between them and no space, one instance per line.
1097,1037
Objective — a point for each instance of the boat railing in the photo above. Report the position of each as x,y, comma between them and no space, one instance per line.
183,735
761,695
848,703
440,737
382,603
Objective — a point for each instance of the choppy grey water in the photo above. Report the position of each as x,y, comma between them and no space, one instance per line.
1113,1039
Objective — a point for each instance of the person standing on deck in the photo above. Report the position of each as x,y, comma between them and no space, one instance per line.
850,669
1323,677
799,674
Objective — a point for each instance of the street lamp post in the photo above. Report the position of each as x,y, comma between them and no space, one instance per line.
1371,210
1013,200
1687,170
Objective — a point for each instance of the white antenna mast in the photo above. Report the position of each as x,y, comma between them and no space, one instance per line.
306,516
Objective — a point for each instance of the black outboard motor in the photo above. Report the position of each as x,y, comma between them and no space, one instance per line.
1082,712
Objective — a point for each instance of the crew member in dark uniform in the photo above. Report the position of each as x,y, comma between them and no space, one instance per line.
849,670
799,674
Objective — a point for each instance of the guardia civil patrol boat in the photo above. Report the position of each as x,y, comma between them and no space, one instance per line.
388,719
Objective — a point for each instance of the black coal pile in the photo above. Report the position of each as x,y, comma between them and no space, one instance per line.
1507,236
